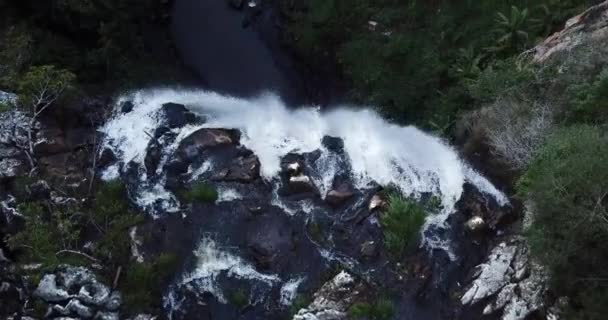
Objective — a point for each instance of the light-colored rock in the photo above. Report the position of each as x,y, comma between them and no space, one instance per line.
588,27
515,285
106,316
294,168
48,290
494,274
301,184
475,224
135,244
376,203
332,301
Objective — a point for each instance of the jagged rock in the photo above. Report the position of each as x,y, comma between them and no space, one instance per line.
475,224
90,296
74,307
242,169
144,317
332,301
49,291
515,284
376,202
493,274
177,115
94,294
190,147
107,157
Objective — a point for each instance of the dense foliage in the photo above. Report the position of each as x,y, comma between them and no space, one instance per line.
567,184
414,59
106,43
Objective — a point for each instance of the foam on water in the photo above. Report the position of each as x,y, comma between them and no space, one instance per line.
212,260
378,151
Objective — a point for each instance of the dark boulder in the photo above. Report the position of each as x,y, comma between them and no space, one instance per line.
243,169
152,159
177,115
333,144
203,139
339,194
126,107
106,158
270,241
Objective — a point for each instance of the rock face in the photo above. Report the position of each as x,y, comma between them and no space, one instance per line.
176,115
588,27
75,292
513,285
13,138
331,301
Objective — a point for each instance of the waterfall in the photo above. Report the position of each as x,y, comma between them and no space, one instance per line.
378,151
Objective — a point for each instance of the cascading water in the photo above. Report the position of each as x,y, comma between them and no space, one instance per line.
376,151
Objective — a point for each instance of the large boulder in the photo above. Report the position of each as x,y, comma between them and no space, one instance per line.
204,139
270,240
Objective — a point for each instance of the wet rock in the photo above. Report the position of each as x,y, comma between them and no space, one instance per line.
152,159
107,157
369,249
243,169
339,194
203,139
473,204
332,301
475,224
126,106
94,294
301,184
177,115
144,317
333,144
376,202
114,301
270,240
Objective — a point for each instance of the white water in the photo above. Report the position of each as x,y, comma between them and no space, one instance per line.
378,151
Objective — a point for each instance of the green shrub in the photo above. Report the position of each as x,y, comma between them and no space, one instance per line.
567,185
38,239
502,78
301,301
382,309
590,100
112,217
401,224
143,283
238,298
201,192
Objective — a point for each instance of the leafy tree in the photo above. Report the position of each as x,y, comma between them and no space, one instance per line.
40,88
511,30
